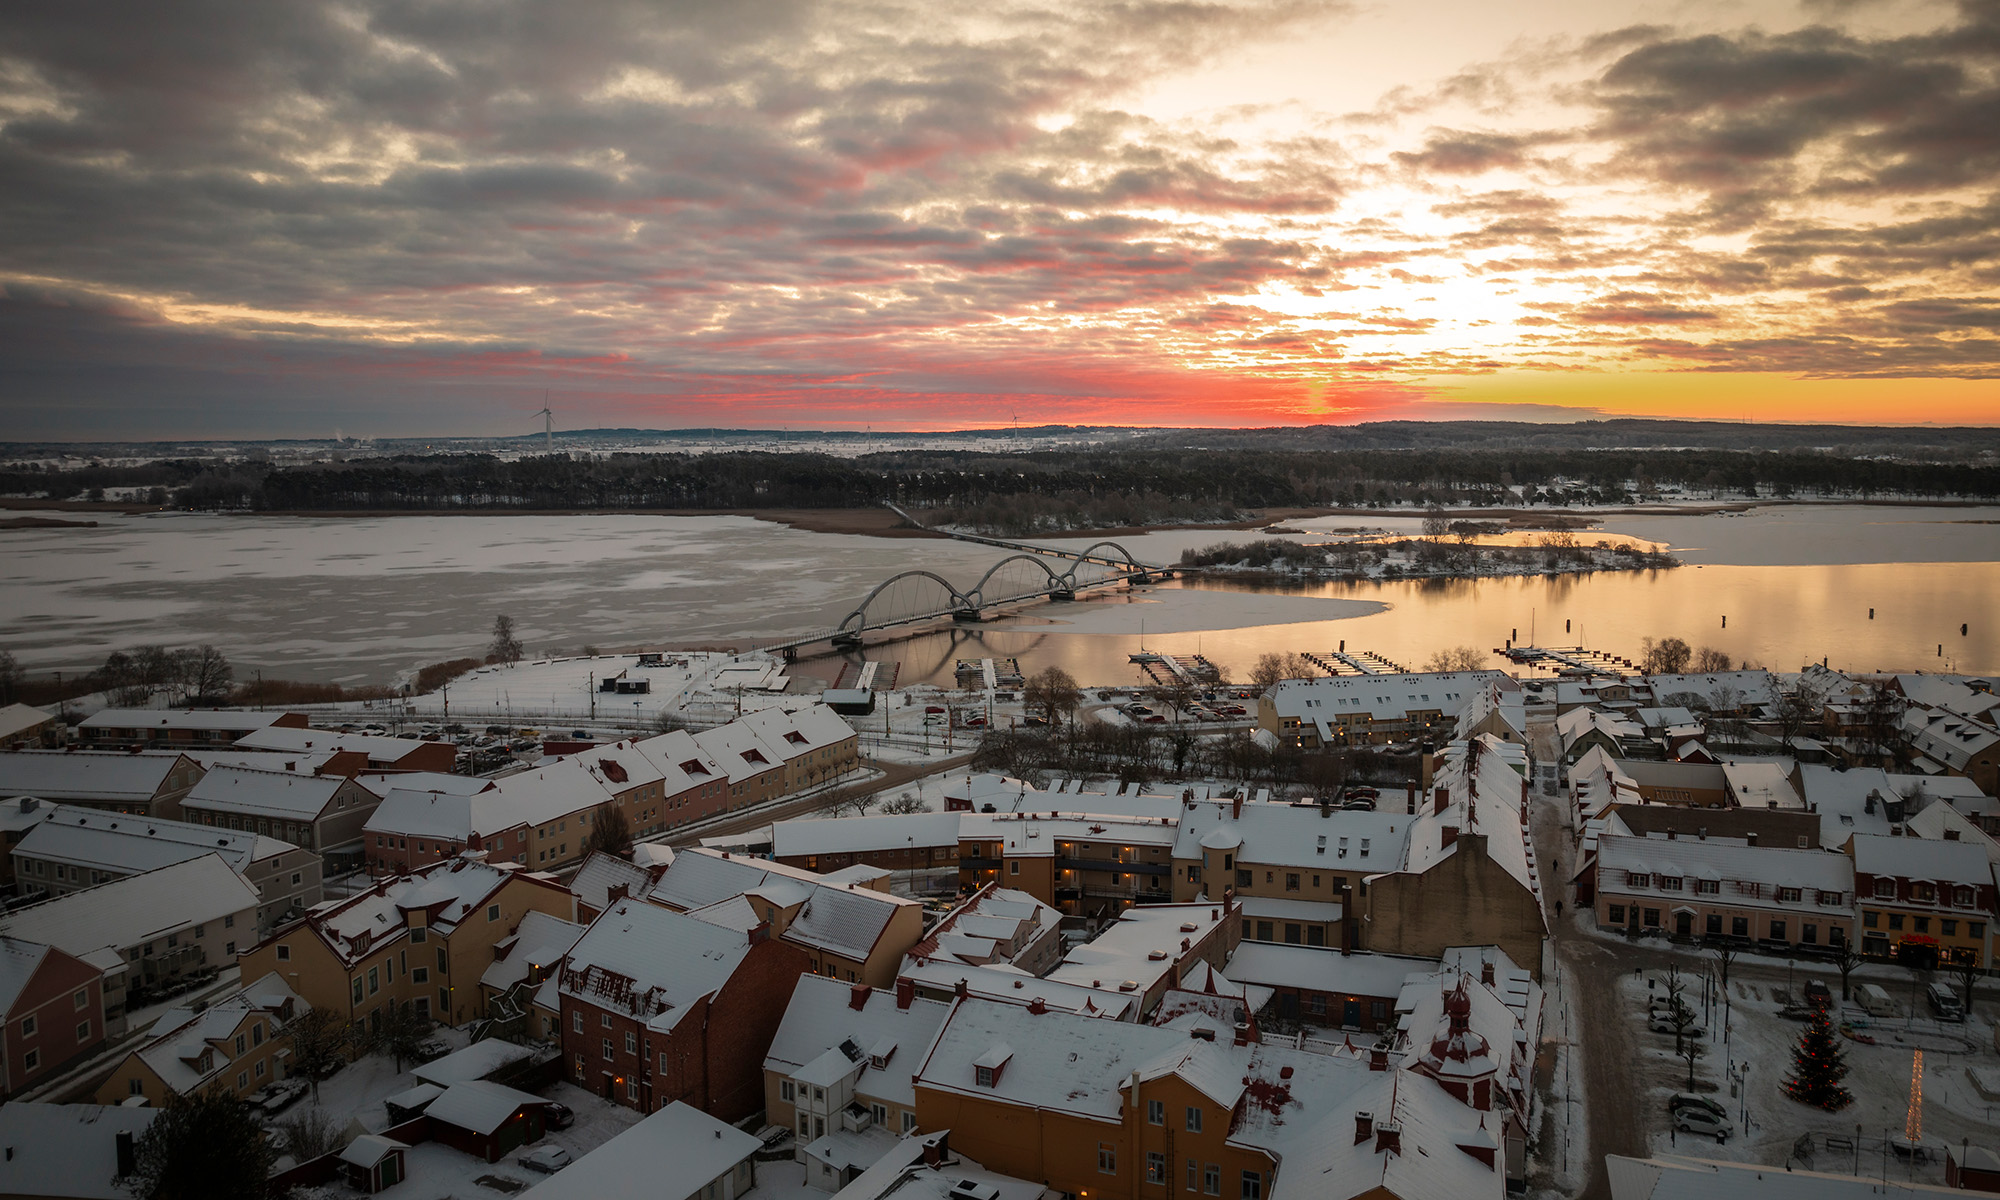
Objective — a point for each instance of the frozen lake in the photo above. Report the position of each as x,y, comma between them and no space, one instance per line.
358,600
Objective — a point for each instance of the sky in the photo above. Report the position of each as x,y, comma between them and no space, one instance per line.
420,217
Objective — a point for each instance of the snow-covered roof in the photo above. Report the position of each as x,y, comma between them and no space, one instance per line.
1034,835
369,1149
676,1143
1326,1161
16,719
1317,969
135,909
1382,697
852,835
383,782
1921,859
66,1150
539,942
1483,797
1761,785
1945,736
602,872
200,719
649,961
798,732
452,890
108,775
1945,823
1294,835
19,960
822,1019
1579,723
843,918
479,1105
741,752
846,920
174,1050
121,842
286,795
994,922
1147,943
1723,860
1009,795
1011,985
682,762
1727,690
468,1063
379,748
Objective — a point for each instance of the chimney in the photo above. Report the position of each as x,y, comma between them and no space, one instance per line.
958,989
1447,837
1202,1033
616,892
1036,1008
1486,972
1364,1126
1750,839
1236,805
1378,1058
1244,1034
127,1160
1389,1137
937,1147
857,997
906,991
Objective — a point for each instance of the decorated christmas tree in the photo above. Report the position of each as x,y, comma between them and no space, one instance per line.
1817,1068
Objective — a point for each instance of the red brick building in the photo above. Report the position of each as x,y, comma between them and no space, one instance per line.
657,1006
53,1009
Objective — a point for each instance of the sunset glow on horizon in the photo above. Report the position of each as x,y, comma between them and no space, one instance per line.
415,219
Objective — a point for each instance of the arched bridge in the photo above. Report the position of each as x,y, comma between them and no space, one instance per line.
1030,573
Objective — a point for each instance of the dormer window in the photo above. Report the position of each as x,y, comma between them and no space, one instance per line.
987,1068
693,767
796,738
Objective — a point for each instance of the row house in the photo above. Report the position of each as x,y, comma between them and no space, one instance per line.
894,842
204,729
235,1045
1716,887
1922,899
755,771
367,752
51,1012
1955,745
656,1006
147,931
815,744
694,785
321,813
848,931
843,1059
24,727
1744,826
1297,870
74,848
421,941
1086,864
1360,710
150,785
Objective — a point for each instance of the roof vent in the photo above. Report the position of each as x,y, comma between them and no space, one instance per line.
1131,985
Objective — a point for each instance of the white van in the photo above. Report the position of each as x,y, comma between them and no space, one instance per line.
1944,1002
1876,1002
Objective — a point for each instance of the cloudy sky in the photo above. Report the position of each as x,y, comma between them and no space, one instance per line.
413,216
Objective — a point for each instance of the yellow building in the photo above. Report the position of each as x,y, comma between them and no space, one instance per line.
237,1045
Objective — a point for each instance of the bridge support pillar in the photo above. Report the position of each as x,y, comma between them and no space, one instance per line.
1062,594
844,640
967,616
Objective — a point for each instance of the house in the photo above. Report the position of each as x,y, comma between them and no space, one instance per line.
1086,864
677,1153
1926,900
236,1044
24,726
1713,886
657,1006
1582,730
995,926
1972,1168
372,1162
848,931
1942,742
18,816
841,1062
1497,710
146,930
1744,826
1150,948
73,848
1321,986
144,784
376,751
815,743
1296,869
693,784
1347,710
521,961
755,769
604,878
895,842
415,826
1467,872
69,1151
207,729
485,1119
51,1012
422,940
321,813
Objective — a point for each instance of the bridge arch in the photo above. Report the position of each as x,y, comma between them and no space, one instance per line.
1130,561
978,593
858,619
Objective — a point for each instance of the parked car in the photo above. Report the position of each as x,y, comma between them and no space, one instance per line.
1700,1120
578,735
1681,1100
933,720
548,1160
1358,804
1662,1021
933,708
1818,993
283,1095
558,1116
1944,1002
1153,719
1876,1001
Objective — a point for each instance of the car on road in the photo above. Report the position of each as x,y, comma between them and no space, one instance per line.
548,1160
1681,1100
1701,1120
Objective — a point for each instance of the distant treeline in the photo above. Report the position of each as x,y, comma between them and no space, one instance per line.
1024,491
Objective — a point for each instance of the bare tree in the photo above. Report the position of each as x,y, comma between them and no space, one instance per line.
610,832
1274,668
202,673
906,804
320,1044
1845,959
856,804
1967,971
10,678
1681,1015
310,1133
505,647
1054,691
1724,955
1709,661
1667,656
1456,658
1436,523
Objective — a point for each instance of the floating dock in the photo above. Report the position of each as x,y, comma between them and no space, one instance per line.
1571,660
1354,662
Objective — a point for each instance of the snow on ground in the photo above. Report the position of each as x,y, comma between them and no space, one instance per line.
784,1180
1561,1121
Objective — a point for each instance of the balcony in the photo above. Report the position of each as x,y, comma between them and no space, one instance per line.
1112,866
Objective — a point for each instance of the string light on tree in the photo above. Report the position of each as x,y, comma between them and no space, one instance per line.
1818,1067
1913,1124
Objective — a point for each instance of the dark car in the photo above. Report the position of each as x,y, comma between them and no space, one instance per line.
558,1116
578,735
1818,993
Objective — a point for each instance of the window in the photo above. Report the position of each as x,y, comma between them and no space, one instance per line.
1194,1118
1156,1112
1707,887
360,989
909,1121
1193,1169
1243,879
1809,933
137,1086
1869,918
1923,924
83,1032
242,1044
786,1091
1885,889
604,1020
1923,893
1013,867
1777,931
418,934
632,1093
631,1042
31,1060
284,954
420,975
229,949
28,1026
492,912
1670,883
880,1113
81,1000
1962,897
1211,1180
983,1076
1291,881
1637,878
1616,914
1253,1185
576,1021
374,981
1107,1159
1156,1167
1652,918
201,931
607,1049
260,1068
1948,927
1895,920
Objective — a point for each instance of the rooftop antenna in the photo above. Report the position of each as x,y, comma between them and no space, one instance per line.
548,423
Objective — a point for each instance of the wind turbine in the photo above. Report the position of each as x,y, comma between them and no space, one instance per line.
548,424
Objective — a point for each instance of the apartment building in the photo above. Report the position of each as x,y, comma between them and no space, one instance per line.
1360,710
374,752
843,1059
75,848
657,1006
205,729
816,744
893,842
1296,870
51,1012
236,1045
1086,864
1717,887
421,940
321,813
150,785
1923,899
